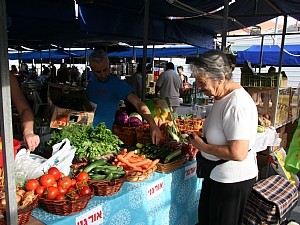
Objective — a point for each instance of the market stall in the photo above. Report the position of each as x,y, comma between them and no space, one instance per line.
169,198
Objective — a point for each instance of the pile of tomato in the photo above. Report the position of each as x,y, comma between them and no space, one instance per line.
54,185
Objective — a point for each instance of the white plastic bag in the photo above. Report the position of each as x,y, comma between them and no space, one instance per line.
29,165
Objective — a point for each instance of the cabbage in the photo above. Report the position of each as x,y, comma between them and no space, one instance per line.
135,114
134,122
121,118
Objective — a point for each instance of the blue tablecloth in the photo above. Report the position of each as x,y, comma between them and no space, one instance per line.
176,202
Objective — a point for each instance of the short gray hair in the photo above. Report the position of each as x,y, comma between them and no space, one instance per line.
213,63
98,56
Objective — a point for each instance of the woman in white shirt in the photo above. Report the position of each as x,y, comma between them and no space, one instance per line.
230,130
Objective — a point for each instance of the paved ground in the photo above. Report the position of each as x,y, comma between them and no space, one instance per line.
295,215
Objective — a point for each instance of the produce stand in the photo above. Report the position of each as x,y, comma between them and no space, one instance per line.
164,198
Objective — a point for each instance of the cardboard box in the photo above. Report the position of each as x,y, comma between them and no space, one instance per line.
60,117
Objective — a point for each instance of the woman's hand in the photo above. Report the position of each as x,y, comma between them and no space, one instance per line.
197,141
31,141
155,134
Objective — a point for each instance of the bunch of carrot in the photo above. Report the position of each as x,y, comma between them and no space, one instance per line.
133,162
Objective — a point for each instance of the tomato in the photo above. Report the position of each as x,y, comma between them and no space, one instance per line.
55,172
85,190
73,183
70,192
61,190
75,196
64,182
51,193
32,184
80,184
60,197
40,190
82,176
47,180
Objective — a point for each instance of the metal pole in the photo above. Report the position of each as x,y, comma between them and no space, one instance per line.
261,53
145,41
225,23
6,128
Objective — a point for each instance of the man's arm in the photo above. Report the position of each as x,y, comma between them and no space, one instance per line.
146,114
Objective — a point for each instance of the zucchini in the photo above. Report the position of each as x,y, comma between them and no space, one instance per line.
172,155
100,162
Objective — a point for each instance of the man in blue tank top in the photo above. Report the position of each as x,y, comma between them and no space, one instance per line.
105,91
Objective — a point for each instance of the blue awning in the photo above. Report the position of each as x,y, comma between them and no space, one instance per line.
270,55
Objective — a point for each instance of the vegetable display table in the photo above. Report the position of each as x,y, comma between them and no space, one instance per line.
170,198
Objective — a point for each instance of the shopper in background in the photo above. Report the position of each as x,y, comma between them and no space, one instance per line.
169,85
230,129
135,81
272,70
26,115
182,75
105,91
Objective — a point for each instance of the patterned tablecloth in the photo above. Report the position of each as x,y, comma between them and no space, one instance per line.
168,199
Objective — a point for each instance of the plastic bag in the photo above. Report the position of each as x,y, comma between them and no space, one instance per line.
28,165
292,160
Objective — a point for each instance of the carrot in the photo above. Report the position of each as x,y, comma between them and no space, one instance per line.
134,159
129,154
123,152
144,162
123,160
153,164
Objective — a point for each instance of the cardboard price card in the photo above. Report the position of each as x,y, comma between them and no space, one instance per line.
92,217
155,189
190,171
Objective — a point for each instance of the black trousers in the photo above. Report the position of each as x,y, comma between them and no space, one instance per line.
223,203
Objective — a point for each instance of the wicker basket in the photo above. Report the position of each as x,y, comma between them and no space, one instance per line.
135,176
168,167
143,135
23,214
126,134
65,207
107,187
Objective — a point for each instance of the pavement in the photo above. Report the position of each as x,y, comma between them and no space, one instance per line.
295,214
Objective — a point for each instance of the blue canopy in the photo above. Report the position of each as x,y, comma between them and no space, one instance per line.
47,54
160,52
270,55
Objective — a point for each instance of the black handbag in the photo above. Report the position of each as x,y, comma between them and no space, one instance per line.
205,166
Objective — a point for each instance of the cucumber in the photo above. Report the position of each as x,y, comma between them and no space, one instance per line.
109,176
98,177
100,162
172,155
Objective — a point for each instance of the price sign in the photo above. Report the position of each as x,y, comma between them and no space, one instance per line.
92,217
190,170
155,188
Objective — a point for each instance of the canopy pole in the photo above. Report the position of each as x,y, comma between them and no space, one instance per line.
145,41
261,53
279,68
6,128
225,23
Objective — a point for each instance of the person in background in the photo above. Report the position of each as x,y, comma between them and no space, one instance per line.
14,70
31,140
63,74
135,81
230,130
182,75
272,70
52,72
105,91
169,85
